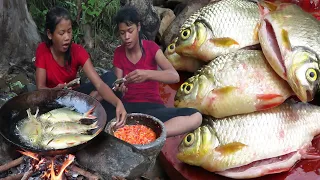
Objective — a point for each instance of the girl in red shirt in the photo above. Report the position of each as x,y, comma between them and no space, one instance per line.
58,60
137,60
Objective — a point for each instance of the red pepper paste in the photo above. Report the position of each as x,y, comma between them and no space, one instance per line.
135,134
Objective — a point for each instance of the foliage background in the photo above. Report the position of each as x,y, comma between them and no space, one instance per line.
95,14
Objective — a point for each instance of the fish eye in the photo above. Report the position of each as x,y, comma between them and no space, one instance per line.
185,34
183,86
171,48
311,74
188,88
189,139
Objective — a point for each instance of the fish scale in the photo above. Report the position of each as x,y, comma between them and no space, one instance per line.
261,133
226,11
287,128
219,28
292,48
242,80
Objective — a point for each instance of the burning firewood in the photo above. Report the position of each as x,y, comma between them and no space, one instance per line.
83,172
13,177
11,164
27,175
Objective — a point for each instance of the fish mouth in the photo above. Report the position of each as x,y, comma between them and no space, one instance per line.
301,91
304,95
268,33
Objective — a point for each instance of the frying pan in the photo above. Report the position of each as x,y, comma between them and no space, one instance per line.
14,110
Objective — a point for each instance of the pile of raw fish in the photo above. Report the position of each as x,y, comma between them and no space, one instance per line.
249,60
57,129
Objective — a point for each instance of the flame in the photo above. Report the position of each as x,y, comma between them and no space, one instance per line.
30,154
50,172
65,164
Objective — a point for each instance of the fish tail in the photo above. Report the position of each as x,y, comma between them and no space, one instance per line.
94,125
29,112
89,115
97,132
37,111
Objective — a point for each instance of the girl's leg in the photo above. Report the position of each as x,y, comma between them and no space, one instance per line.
177,120
183,124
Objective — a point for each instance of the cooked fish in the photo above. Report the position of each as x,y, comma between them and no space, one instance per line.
66,140
65,115
30,128
235,83
69,128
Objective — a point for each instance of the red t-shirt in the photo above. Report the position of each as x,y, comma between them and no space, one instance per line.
56,74
147,91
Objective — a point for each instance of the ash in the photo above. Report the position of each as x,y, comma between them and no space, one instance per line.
20,169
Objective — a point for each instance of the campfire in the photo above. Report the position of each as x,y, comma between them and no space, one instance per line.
31,166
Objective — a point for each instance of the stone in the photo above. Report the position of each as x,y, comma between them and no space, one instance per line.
5,96
7,151
149,17
18,34
109,156
173,29
151,150
166,16
3,86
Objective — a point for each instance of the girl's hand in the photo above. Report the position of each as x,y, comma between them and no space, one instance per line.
137,76
121,115
122,88
61,86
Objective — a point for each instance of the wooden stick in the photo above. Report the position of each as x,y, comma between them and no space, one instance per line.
11,164
27,175
13,177
83,172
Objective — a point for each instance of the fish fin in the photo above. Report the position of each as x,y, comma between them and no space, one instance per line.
94,125
89,115
224,90
230,148
37,111
49,141
97,132
270,6
29,113
268,101
310,153
70,143
224,42
285,39
263,10
256,32
268,96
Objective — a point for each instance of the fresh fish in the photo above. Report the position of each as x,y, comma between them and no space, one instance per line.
235,83
255,144
181,63
66,141
69,128
290,40
218,28
65,115
30,128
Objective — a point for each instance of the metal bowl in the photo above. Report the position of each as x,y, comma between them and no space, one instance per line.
14,110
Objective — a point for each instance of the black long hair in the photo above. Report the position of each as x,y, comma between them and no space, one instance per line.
129,15
53,17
